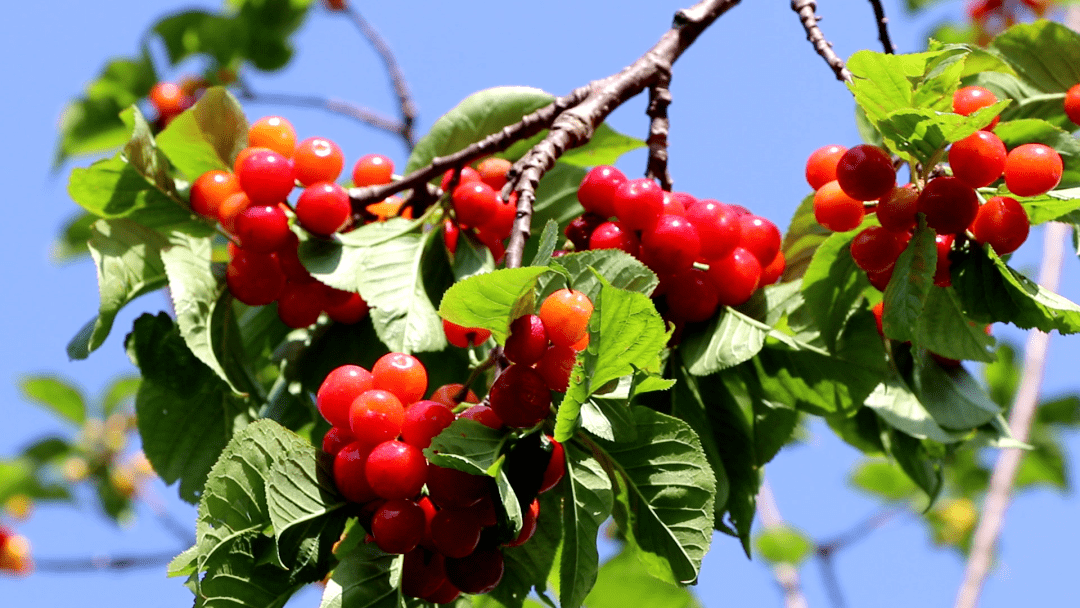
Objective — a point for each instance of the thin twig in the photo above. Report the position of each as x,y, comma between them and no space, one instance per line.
807,14
337,106
659,100
857,532
103,562
1023,411
787,576
883,27
393,70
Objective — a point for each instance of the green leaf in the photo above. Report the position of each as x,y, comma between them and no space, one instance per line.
556,200
74,234
528,566
471,258
240,580
624,581
384,263
991,292
199,32
1028,101
833,287
901,409
609,419
1042,54
618,268
885,82
605,147
477,116
206,137
185,413
304,507
120,391
511,505
944,329
588,502
884,479
52,392
665,495
730,339
803,237
1002,376
1032,130
1054,205
492,301
548,241
953,397
467,446
784,545
362,580
924,467
923,133
913,276
625,333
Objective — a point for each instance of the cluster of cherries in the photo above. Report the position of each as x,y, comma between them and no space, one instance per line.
250,203
706,253
478,206
850,183
15,553
443,520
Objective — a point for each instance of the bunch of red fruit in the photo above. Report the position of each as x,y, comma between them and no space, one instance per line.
251,204
850,183
479,207
15,553
706,253
443,520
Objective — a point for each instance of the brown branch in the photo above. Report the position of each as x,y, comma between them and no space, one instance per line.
100,563
883,27
336,106
807,14
659,100
787,576
1023,411
393,70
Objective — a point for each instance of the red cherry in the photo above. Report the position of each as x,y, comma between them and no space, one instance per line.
875,249
880,280
501,221
348,311
445,594
464,337
262,228
479,572
520,397
450,236
422,572
672,206
493,171
688,200
566,314
597,190
317,159
453,489
717,225
692,295
468,174
821,166
774,270
556,467
949,205
556,366
581,228
273,132
395,469
639,203
760,237
942,274
736,276
335,439
673,244
879,311
1032,169
835,210
376,416
349,474
401,374
865,173
1003,223
474,203
455,533
265,176
323,208
968,100
210,190
447,395
398,526
527,341
423,421
484,415
978,160
1072,103
528,524
300,304
254,278
614,235
169,99
372,170
897,211
337,392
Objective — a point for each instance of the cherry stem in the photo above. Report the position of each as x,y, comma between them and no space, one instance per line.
659,100
883,27
336,106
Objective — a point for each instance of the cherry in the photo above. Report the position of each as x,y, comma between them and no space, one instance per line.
398,526
736,276
717,225
464,337
339,389
273,132
422,572
468,174
262,228
527,341
760,237
230,208
614,235
566,314
484,415
447,395
875,249
479,572
880,280
1072,103
376,416
349,310
556,366
1032,169
528,524
685,198
520,397
865,173
493,171
672,206
455,533
597,191
949,205
474,202
835,210
300,304
821,166
210,189
978,160
556,467
254,278
401,374
942,275
169,99
349,477
897,210
673,244
638,203
372,170
266,176
396,469
1003,223
581,228
453,489
968,100
445,594
692,295
774,270
323,208
429,513
423,421
335,439
879,312
501,221
450,236
317,159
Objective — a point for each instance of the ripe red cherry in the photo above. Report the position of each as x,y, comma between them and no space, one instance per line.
230,208
949,205
556,467
528,524
692,295
760,237
580,229
520,397
880,280
323,208
335,439
875,249
673,244
484,415
266,176
376,416
968,100
942,274
978,160
772,272
401,374
717,225
423,421
565,314
672,206
1003,223
736,276
447,395
897,210
317,159
398,526
1032,169
614,235
835,210
1072,103
821,166
879,312
210,189
372,170
445,594
493,171
262,228
501,221
455,533
395,469
468,174
479,572
474,203
556,366
169,99
464,337
254,278
422,572
527,341
639,203
349,474
300,304
273,132
453,489
865,173
597,191
337,392
348,311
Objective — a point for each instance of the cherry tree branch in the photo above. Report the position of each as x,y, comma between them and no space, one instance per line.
808,15
1023,411
103,562
336,106
787,576
659,100
883,27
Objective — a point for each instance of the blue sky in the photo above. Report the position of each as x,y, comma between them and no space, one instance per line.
751,101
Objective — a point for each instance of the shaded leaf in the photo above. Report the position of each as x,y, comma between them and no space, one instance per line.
588,501
52,392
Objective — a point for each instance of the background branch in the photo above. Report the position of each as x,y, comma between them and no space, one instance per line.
787,576
883,27
659,100
102,562
807,14
336,106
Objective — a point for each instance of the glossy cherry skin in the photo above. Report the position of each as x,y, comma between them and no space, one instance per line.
493,171
875,249
453,489
372,170
474,203
978,160
255,278
1072,104
566,314
317,159
401,374
1003,223
395,469
556,467
692,295
897,211
520,397
376,416
527,341
673,244
614,235
262,228
760,237
736,276
398,526
865,173
210,189
337,392
835,210
949,205
455,533
423,421
597,191
479,572
300,304
464,337
266,176
1032,169
273,132
639,203
349,477
968,100
821,165
335,439
717,225
556,366
323,208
